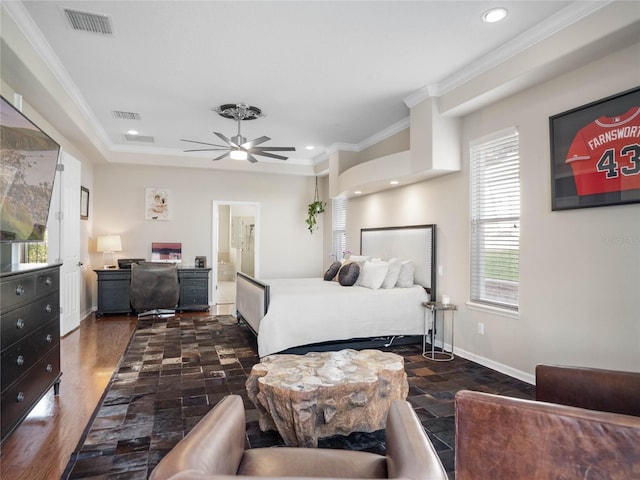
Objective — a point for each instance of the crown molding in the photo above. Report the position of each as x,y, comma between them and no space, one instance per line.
384,134
33,35
572,13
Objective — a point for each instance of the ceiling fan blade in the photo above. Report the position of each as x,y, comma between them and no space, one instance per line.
202,143
274,149
255,141
271,155
224,155
251,158
207,149
227,140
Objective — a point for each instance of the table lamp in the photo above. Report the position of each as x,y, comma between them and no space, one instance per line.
107,244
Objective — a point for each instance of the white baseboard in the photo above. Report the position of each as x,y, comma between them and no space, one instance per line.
499,367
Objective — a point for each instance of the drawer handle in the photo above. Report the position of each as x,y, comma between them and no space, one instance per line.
48,308
19,290
48,281
20,324
49,368
20,360
20,397
49,338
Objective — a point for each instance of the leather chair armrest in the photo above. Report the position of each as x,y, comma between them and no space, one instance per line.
510,438
594,389
410,453
214,446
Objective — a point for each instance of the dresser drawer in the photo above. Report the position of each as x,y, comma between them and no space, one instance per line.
23,321
114,296
18,400
47,282
202,274
17,291
19,358
193,282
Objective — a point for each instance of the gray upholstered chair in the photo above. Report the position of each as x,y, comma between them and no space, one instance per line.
154,289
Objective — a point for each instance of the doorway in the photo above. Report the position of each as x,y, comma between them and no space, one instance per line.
235,247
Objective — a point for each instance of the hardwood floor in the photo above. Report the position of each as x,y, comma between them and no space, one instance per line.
40,447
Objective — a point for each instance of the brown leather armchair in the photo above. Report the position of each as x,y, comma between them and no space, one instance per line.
596,389
513,439
215,449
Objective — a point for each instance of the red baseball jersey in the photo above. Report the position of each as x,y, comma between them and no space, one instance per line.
605,155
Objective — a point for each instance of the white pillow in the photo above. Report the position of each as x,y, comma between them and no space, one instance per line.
405,279
393,273
359,259
372,274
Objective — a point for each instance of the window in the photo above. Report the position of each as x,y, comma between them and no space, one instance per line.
33,252
338,227
495,219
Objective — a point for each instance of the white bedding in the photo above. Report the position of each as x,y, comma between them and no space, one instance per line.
312,310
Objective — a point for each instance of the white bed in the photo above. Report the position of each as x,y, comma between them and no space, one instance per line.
303,312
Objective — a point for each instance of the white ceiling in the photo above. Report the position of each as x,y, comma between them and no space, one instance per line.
324,73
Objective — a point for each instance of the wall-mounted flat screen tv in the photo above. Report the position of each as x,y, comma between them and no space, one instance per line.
28,159
166,252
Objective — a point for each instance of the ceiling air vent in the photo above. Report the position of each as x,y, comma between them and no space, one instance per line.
89,22
119,115
139,138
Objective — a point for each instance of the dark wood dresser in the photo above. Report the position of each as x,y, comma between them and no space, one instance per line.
113,290
29,339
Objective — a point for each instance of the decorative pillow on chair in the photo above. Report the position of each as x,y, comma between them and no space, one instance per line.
332,271
348,274
373,274
405,279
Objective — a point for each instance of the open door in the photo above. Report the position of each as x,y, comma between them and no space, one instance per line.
235,246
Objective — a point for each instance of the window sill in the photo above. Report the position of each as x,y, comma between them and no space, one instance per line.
503,312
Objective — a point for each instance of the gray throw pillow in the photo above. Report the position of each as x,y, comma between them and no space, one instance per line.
348,274
332,271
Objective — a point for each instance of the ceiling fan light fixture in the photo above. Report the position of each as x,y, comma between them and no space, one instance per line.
238,155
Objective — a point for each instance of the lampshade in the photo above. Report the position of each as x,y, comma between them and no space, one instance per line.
238,155
109,243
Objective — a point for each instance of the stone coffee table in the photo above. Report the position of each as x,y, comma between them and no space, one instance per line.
320,394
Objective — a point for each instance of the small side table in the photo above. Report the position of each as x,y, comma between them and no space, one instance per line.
434,308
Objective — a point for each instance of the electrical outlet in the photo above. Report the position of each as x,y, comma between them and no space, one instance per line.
439,270
481,328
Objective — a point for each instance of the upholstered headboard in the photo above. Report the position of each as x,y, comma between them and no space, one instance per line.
416,243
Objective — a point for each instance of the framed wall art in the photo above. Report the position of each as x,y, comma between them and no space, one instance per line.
156,204
595,153
84,203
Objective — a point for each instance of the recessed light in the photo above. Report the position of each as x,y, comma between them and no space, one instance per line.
393,182
357,192
494,15
132,132
309,147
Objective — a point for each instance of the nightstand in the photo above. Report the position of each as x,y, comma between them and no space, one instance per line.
434,308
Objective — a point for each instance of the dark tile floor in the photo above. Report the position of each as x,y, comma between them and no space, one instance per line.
176,369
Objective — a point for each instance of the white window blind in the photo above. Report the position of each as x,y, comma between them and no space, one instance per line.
495,219
338,227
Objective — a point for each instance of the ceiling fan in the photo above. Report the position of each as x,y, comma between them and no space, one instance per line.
237,147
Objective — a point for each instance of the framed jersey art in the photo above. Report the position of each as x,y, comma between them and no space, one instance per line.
595,153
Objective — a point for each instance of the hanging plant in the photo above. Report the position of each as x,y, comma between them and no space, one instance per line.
314,209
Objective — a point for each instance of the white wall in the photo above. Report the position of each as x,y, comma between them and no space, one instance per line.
286,248
580,269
